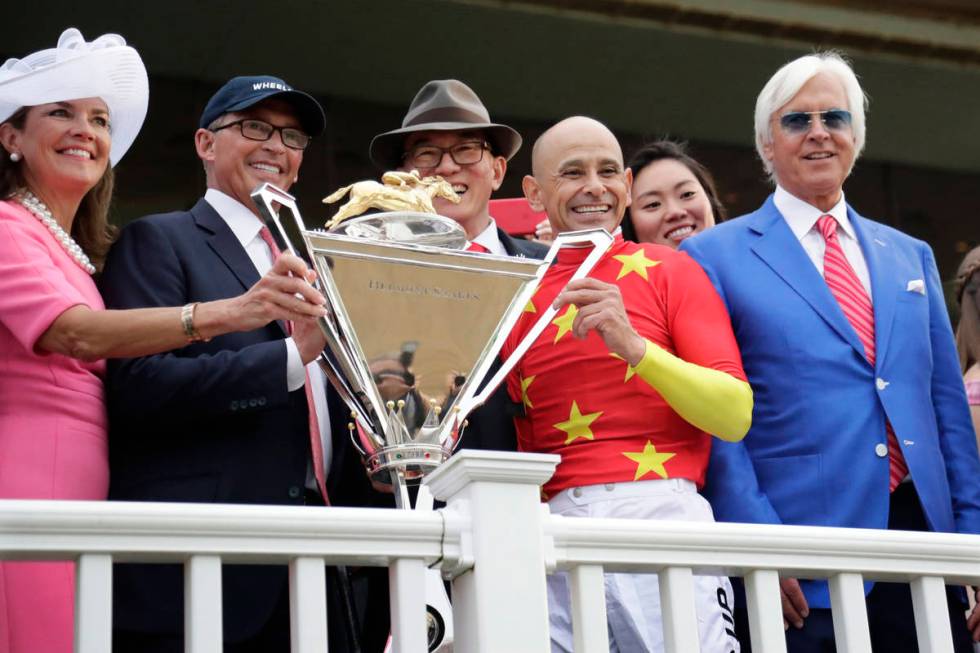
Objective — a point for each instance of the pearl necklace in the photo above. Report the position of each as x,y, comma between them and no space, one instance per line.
30,202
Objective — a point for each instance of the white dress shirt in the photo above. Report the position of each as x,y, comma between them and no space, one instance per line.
802,219
246,226
490,239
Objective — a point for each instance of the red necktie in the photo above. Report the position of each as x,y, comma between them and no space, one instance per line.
854,301
316,445
477,247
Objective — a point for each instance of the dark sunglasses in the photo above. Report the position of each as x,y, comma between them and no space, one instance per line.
799,122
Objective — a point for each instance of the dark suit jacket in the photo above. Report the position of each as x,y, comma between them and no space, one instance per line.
210,422
520,247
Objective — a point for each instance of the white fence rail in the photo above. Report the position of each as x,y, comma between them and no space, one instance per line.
497,542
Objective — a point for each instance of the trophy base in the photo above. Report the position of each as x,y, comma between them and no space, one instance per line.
413,461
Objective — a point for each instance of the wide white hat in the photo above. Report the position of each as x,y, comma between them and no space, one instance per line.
105,68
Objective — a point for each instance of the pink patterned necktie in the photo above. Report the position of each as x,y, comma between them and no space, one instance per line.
316,445
854,301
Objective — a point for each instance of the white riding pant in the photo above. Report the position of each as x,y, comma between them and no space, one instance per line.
633,600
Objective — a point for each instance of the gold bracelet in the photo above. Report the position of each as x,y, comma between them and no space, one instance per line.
187,321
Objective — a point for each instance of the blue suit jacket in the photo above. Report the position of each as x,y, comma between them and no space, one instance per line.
209,422
820,408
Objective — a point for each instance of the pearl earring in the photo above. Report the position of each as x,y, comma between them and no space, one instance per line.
15,157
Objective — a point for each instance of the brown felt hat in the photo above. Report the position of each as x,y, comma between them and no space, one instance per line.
443,105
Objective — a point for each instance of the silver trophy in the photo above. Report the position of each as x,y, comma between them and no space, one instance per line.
415,328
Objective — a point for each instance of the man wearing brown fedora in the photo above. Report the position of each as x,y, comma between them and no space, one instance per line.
447,132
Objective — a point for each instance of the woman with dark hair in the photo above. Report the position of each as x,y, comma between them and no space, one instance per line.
674,196
968,330
967,289
67,115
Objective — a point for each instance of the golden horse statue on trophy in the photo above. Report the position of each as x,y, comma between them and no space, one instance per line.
398,191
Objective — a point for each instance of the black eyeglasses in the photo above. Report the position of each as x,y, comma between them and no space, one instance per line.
799,122
463,154
259,130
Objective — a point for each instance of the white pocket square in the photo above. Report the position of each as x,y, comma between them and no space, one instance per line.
916,285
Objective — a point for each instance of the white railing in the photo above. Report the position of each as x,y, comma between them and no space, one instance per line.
497,542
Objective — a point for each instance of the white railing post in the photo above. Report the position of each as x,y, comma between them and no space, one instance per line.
589,623
765,610
93,603
680,619
307,605
931,614
850,613
406,580
501,604
202,604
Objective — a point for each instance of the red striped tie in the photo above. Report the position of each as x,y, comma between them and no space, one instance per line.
854,301
316,445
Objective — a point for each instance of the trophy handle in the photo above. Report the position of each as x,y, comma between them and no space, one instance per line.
600,239
284,234
289,236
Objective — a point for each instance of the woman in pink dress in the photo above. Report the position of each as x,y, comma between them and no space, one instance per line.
968,344
968,330
67,114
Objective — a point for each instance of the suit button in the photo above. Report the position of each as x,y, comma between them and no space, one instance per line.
881,450
261,401
233,405
880,383
294,492
577,492
252,403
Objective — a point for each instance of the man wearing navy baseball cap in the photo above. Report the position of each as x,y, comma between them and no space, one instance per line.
242,418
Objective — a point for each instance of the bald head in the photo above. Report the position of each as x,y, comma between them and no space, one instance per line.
578,176
564,134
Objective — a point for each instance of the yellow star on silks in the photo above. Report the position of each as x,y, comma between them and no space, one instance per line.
577,425
529,307
524,385
649,460
630,370
635,262
564,322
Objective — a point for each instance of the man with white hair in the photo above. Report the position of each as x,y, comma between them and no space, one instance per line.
860,415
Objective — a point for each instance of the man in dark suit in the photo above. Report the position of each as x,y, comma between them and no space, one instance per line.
447,131
860,415
242,418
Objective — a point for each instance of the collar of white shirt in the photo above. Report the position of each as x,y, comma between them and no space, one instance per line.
802,217
242,222
491,240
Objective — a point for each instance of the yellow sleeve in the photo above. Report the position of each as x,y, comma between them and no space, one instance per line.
714,401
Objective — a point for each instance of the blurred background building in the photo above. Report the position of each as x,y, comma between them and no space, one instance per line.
689,69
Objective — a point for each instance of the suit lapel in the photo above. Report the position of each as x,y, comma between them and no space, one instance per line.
779,248
508,243
878,256
223,242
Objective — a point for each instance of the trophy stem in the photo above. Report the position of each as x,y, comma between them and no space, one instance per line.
400,487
